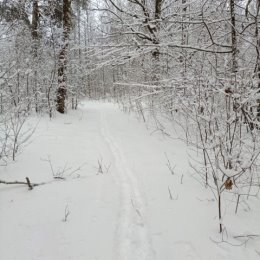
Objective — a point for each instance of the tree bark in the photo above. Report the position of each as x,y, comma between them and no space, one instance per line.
35,23
35,43
156,30
62,67
233,36
219,213
257,36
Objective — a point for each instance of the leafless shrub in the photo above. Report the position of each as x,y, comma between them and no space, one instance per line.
13,133
63,171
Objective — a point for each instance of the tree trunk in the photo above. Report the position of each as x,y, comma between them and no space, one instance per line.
35,43
257,36
156,30
184,40
35,23
219,213
233,37
62,67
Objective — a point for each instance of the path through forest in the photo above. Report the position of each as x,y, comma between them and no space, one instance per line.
132,240
117,199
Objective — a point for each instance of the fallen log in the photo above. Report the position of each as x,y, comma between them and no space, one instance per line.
27,182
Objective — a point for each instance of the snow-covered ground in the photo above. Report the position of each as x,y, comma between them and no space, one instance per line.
118,199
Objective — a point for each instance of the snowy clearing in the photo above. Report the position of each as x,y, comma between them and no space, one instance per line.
115,198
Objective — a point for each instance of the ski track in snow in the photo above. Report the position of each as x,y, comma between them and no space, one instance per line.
132,240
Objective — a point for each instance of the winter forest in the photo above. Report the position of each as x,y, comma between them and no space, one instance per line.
129,129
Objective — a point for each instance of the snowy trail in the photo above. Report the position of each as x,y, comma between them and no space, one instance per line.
132,240
135,210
